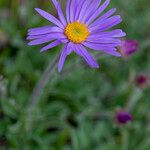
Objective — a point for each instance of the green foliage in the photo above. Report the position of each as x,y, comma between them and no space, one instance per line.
66,116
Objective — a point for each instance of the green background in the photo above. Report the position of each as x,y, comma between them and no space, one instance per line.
77,108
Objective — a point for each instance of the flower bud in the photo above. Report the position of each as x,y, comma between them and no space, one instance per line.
123,117
129,47
142,81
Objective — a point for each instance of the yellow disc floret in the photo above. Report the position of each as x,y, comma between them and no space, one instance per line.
76,32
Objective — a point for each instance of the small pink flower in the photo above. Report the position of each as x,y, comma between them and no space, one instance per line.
142,81
129,47
123,117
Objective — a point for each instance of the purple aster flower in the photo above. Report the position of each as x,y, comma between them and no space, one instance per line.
82,27
129,47
123,117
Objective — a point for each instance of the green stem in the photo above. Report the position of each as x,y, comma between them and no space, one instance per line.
37,91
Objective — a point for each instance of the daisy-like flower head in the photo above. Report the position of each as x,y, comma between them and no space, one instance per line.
82,27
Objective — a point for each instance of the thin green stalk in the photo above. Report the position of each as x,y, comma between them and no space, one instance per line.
38,89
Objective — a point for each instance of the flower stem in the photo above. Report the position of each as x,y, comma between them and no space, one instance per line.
37,91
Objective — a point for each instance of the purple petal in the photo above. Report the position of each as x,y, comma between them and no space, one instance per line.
32,37
103,47
51,45
90,10
75,8
60,14
106,24
104,40
62,57
68,11
81,51
105,16
55,3
72,10
83,9
114,33
49,17
39,28
64,40
98,11
41,41
46,39
79,9
105,44
69,48
44,30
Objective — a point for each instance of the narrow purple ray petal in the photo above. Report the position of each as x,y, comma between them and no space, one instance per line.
64,40
81,51
79,9
76,5
60,14
32,37
45,30
69,48
72,10
55,3
90,10
62,58
41,41
105,16
49,17
39,28
51,45
68,11
105,45
104,40
112,52
47,38
106,24
83,10
97,13
111,34
104,48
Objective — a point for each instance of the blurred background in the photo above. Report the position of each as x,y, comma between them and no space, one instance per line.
81,108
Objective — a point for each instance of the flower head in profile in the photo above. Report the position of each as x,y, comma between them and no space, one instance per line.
129,47
83,26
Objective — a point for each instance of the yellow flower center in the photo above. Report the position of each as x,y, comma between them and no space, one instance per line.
76,32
